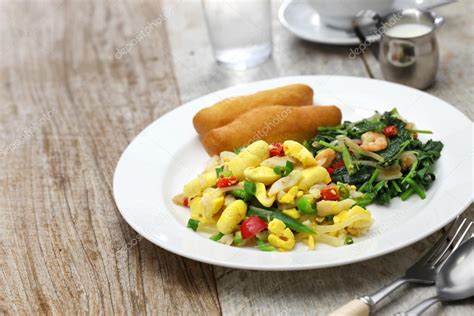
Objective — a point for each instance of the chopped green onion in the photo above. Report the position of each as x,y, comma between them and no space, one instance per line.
263,246
250,188
279,170
217,236
284,171
193,224
348,240
219,170
238,238
227,173
289,166
305,205
241,194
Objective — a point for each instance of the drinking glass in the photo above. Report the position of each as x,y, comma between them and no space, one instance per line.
240,31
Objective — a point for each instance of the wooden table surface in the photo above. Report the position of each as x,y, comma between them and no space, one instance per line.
77,83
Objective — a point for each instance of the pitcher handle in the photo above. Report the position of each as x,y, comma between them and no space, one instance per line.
364,25
438,21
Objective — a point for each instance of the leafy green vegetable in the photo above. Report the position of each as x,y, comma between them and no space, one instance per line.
328,145
383,195
365,199
365,125
405,195
419,190
367,186
431,150
393,152
328,134
398,143
364,174
358,178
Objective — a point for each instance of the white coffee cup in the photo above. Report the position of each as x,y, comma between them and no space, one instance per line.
340,13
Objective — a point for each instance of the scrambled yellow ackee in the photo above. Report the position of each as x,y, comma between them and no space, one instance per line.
273,196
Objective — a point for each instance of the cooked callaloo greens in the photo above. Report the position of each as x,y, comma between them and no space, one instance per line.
271,197
381,155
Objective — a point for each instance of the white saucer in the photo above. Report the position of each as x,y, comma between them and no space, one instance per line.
302,20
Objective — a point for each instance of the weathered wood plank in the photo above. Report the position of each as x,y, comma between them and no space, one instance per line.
64,247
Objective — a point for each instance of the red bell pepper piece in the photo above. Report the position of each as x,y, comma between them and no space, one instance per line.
330,194
252,226
277,150
224,182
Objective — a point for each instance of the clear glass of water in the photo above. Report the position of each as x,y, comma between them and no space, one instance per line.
240,31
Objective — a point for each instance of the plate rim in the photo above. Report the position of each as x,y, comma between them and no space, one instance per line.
283,267
337,41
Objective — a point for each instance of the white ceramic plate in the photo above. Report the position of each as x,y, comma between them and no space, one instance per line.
168,153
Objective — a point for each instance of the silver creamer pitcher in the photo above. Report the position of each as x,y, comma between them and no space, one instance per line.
405,44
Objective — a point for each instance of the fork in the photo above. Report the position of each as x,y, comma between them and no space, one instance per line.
422,272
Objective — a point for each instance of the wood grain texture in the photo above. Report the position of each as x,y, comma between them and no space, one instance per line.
78,80
70,105
316,292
